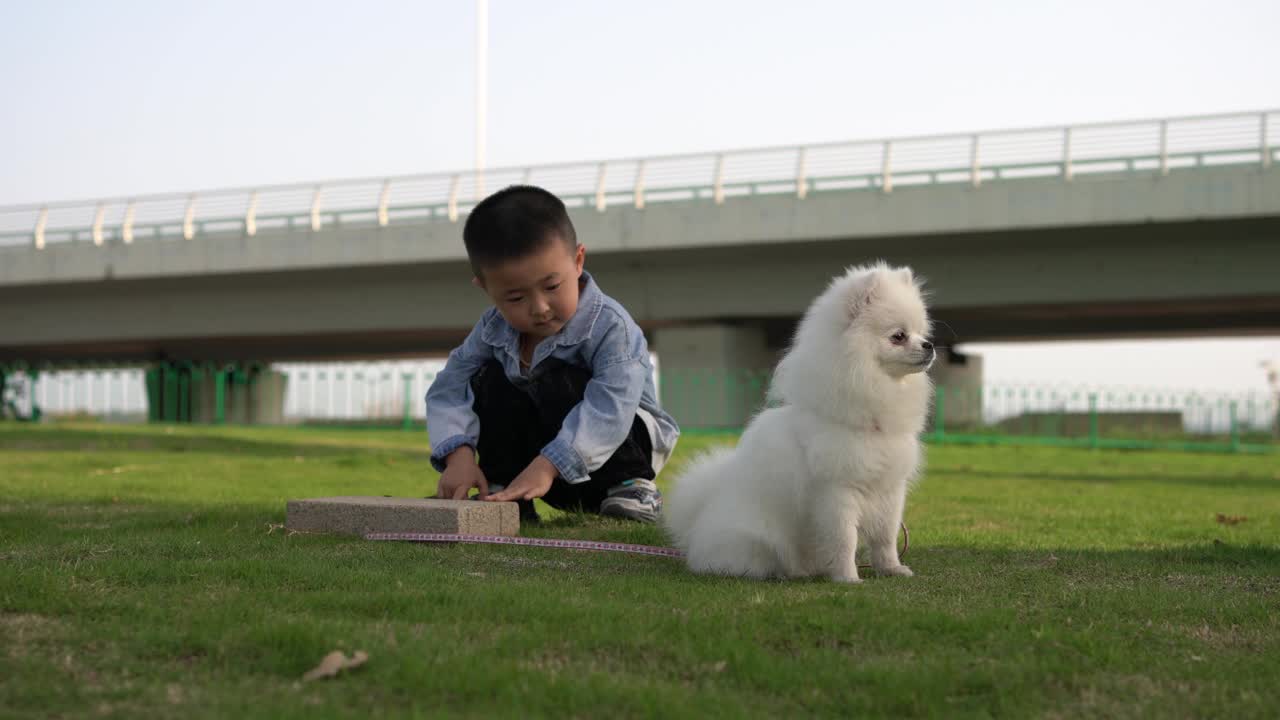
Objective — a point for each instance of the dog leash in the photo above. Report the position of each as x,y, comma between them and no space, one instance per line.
563,544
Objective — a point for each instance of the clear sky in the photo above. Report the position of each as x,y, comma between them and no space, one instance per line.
145,96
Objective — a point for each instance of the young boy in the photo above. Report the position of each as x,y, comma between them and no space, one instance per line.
553,388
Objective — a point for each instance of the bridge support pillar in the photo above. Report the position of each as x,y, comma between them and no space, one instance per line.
958,378
208,393
713,376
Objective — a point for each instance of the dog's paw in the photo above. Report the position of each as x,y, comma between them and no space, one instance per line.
895,571
846,579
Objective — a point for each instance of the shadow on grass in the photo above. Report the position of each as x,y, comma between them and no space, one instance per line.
82,440
1235,480
50,524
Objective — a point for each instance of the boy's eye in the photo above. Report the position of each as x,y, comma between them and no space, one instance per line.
515,299
552,288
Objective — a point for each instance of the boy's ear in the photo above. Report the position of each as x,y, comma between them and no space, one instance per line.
579,256
477,282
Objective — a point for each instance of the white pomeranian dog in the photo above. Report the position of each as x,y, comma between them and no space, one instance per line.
831,465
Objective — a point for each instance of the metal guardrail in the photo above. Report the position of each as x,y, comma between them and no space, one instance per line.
1155,146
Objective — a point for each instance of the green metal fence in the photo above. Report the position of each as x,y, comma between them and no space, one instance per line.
1107,417
240,393
391,395
1004,413
179,391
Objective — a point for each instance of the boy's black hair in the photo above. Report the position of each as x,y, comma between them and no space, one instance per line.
514,222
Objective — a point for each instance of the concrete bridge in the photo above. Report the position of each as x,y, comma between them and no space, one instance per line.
1144,228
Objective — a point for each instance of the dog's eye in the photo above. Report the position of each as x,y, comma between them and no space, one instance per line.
898,337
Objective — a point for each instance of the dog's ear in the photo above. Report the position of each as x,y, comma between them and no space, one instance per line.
905,274
863,293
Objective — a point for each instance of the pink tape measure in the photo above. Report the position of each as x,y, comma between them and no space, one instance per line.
557,543
533,542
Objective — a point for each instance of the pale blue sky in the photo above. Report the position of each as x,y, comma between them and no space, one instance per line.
132,97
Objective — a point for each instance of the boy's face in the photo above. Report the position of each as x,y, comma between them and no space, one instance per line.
538,293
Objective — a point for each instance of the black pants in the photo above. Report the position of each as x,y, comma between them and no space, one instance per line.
516,423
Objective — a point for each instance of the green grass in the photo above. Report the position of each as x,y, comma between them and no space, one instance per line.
143,574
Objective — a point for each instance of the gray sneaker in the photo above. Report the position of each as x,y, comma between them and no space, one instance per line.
637,499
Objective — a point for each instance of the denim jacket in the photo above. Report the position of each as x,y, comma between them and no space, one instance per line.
602,337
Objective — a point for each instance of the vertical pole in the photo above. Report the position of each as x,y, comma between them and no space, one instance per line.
1066,154
638,193
189,218
802,183
153,393
126,228
220,396
170,392
1266,146
718,187
1164,147
251,215
1093,420
600,185
482,78
41,221
383,198
408,389
33,376
1235,428
886,167
453,199
184,396
940,414
107,395
97,224
975,168
315,208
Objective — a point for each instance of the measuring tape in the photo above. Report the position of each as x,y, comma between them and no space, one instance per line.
534,542
556,543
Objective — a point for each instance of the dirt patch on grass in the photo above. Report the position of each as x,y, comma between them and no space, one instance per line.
28,622
20,632
1235,637
1264,585
1127,696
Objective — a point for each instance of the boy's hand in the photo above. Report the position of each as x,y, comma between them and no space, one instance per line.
533,482
460,475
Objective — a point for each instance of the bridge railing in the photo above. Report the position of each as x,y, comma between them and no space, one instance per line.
1158,146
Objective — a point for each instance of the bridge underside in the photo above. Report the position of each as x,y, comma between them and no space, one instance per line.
1228,317
1207,278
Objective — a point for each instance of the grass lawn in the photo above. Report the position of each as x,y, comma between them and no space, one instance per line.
143,573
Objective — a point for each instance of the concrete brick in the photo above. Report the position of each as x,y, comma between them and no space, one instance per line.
357,515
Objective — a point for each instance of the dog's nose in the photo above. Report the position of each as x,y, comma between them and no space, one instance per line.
926,345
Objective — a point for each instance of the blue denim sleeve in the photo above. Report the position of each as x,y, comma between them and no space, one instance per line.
451,422
594,429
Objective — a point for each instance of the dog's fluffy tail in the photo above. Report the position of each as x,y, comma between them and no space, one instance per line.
692,492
